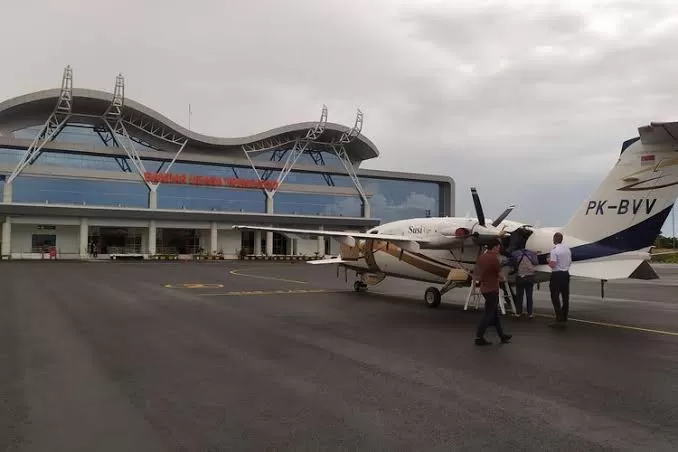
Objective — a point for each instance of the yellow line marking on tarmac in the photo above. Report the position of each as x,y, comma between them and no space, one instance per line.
193,286
235,272
615,325
263,292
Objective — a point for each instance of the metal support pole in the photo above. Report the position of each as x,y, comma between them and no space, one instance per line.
113,120
340,151
300,146
52,127
176,155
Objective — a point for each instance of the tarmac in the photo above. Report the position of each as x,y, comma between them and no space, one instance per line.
286,356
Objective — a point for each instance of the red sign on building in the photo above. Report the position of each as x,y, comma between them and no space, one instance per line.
208,181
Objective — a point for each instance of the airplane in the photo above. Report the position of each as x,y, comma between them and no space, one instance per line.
610,235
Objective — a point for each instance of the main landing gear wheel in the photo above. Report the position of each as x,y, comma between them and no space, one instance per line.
432,297
359,285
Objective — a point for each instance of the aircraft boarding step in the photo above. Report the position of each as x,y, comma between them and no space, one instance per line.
474,293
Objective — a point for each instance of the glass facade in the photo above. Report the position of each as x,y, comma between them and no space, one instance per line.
392,199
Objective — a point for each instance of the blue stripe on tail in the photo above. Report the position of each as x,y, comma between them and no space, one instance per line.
636,237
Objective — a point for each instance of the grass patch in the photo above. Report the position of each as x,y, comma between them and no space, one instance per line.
665,258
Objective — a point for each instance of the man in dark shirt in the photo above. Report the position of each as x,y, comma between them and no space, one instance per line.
488,274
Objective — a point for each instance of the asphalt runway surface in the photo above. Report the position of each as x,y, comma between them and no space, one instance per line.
280,356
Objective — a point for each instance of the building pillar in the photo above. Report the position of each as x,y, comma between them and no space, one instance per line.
153,198
214,236
366,210
6,237
7,193
321,244
257,243
152,234
269,203
84,235
269,243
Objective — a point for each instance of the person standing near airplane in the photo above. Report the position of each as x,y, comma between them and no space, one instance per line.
560,260
488,273
525,262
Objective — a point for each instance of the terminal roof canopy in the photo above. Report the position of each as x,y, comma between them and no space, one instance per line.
89,105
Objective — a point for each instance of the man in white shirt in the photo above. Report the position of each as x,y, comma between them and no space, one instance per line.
559,261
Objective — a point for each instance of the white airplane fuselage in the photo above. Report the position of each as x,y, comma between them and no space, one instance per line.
428,264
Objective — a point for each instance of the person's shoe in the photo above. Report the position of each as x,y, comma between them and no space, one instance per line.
482,341
506,338
531,316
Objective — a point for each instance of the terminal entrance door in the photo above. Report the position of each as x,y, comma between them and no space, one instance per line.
280,243
112,240
178,241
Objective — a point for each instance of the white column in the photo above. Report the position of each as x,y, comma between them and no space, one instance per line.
84,235
366,209
321,244
269,243
269,203
7,193
214,235
153,198
257,243
151,237
6,237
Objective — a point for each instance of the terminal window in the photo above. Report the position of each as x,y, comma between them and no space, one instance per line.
40,242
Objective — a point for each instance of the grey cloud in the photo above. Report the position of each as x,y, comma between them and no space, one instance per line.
427,77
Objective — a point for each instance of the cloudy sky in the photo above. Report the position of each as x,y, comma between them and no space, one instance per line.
469,87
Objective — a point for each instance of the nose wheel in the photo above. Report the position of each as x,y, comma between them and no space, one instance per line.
359,285
432,297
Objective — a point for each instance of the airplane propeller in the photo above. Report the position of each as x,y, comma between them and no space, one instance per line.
481,215
482,231
483,228
503,215
479,206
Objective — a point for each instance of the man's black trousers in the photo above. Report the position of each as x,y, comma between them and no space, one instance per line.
491,315
560,287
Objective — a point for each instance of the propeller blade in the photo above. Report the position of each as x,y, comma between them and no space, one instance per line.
478,206
503,216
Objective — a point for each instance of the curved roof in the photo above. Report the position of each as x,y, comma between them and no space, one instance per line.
34,108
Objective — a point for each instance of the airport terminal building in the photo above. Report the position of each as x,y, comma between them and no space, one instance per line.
86,173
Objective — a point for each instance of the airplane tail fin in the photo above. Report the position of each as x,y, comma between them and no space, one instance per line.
628,209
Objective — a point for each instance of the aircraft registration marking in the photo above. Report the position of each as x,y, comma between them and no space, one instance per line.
623,207
193,286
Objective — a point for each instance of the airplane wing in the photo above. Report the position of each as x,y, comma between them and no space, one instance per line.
346,238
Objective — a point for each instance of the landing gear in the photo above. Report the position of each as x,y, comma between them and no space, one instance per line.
359,285
432,297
